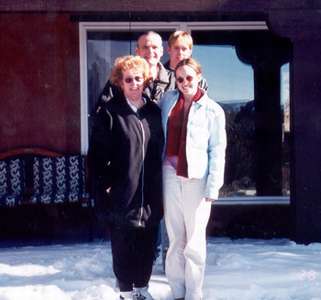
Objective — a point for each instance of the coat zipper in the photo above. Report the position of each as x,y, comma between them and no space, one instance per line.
143,174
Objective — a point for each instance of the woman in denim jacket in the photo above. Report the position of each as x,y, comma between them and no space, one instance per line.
193,172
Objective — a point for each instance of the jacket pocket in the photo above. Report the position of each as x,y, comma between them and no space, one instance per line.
197,132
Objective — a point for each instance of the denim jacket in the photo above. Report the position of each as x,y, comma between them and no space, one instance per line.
205,139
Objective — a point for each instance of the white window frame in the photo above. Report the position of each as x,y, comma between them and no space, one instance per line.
85,27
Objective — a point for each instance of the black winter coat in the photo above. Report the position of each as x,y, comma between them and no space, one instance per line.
126,148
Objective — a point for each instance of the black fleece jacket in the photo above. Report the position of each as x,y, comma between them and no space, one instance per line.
126,149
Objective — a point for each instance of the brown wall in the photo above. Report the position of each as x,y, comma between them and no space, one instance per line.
40,88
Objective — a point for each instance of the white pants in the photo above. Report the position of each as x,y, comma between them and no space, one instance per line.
186,216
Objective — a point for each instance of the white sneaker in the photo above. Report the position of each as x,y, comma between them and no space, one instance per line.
142,294
126,296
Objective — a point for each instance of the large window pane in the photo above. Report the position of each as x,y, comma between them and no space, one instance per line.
231,83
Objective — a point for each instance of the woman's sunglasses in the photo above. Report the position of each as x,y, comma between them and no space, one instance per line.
189,78
131,79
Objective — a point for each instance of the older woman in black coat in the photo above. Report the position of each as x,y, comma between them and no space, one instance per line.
127,143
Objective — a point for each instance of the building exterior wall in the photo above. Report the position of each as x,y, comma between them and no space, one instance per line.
39,78
40,85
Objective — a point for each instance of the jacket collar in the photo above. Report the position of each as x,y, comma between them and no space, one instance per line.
163,75
200,102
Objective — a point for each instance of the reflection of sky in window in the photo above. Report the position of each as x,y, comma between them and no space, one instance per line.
285,84
227,77
102,54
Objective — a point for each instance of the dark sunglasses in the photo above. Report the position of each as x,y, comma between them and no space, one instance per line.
131,79
189,78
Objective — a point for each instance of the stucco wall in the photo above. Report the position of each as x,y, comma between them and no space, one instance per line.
40,97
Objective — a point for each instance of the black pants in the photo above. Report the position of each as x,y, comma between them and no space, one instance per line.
133,255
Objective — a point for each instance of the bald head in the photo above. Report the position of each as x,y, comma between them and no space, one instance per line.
151,35
150,47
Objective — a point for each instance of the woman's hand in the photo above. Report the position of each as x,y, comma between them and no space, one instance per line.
209,199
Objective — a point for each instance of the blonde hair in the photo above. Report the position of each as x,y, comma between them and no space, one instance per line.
180,35
191,62
128,62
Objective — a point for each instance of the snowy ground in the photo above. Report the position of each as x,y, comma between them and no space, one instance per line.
236,270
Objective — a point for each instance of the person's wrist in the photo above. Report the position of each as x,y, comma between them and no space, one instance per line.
209,199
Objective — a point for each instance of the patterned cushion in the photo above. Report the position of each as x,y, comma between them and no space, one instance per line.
12,181
58,179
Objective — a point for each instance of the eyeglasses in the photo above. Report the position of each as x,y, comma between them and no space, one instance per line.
131,79
189,78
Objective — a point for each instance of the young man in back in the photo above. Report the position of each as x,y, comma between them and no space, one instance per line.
180,46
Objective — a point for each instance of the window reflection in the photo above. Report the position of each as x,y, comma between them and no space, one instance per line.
231,84
102,50
285,106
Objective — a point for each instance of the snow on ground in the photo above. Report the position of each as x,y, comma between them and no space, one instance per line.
236,270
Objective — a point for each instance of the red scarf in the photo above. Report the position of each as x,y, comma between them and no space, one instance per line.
176,133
